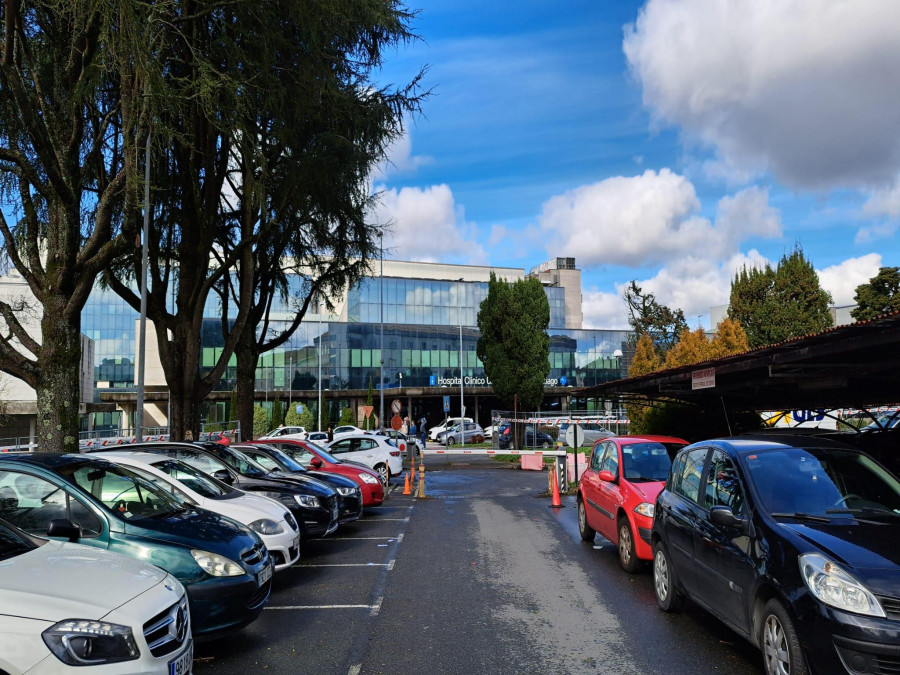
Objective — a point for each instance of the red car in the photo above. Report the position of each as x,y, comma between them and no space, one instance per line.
312,456
617,492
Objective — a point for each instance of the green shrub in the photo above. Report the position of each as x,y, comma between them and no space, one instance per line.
260,421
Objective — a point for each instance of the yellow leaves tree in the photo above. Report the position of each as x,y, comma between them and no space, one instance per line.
731,338
645,359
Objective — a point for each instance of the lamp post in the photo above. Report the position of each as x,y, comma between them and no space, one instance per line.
462,407
319,361
139,407
381,348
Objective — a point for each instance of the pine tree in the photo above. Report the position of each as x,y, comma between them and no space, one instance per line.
881,295
692,347
730,339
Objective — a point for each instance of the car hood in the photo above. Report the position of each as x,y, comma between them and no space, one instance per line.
648,492
870,552
195,528
313,486
333,479
60,581
246,508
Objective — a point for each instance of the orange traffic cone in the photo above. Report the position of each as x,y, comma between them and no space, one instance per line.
556,504
407,488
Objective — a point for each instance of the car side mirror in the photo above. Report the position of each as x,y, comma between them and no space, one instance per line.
65,528
224,476
316,462
723,515
607,476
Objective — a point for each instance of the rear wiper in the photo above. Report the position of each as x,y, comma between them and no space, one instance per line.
802,516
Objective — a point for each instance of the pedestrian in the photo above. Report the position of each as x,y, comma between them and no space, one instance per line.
423,434
412,429
330,435
404,428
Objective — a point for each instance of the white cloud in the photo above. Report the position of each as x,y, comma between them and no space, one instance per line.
651,218
841,280
427,225
399,159
808,89
883,204
604,310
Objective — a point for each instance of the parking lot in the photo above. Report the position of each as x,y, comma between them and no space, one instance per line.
481,576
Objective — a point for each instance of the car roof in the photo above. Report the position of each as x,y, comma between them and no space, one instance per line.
762,442
50,460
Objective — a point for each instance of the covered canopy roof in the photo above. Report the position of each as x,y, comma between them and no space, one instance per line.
856,365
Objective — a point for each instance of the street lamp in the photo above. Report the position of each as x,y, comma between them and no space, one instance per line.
462,407
319,359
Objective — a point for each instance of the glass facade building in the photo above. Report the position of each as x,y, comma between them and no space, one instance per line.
421,342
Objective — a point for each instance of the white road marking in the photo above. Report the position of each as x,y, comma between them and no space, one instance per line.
377,607
389,565
398,538
370,607
354,670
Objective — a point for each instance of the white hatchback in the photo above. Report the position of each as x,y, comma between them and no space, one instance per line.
69,608
375,452
285,432
275,526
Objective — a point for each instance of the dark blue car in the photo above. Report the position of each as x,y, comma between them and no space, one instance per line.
224,566
793,542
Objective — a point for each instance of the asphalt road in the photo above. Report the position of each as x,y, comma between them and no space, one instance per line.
479,577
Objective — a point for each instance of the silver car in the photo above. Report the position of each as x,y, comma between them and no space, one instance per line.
592,433
473,434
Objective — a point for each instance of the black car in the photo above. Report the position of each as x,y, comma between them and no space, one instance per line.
313,504
793,542
279,463
539,439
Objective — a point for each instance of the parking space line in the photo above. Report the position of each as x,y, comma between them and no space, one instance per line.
375,608
389,565
398,538
386,520
354,670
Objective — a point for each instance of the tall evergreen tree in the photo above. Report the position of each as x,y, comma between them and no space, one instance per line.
881,295
646,316
781,304
514,345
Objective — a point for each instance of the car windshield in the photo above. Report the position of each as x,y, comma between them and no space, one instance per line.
274,460
122,491
823,482
243,464
646,462
12,543
196,480
299,453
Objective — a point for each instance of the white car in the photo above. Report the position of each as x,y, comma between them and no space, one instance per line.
346,430
69,608
286,432
446,424
275,526
376,452
317,436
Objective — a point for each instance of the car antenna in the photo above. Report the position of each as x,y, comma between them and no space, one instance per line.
725,411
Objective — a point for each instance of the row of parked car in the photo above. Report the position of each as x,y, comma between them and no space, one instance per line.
792,541
121,559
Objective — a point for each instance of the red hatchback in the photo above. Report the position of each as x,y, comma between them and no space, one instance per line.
312,456
617,492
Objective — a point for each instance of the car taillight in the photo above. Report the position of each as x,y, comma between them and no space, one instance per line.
395,454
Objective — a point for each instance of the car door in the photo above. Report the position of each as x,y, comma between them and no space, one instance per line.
590,486
725,569
30,502
681,512
608,494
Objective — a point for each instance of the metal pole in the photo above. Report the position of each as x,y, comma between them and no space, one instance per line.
319,360
139,411
462,407
381,348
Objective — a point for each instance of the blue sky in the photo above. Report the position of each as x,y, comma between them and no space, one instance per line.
669,142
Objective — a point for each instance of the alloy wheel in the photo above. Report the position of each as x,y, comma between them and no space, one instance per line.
661,575
625,544
775,647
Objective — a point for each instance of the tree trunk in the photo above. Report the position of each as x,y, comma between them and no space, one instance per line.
247,353
59,382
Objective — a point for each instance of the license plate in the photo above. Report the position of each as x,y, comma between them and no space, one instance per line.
265,574
182,665
296,542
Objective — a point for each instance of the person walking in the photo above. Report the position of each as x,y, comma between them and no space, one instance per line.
423,433
330,435
404,428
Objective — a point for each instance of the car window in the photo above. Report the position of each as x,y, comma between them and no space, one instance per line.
299,454
340,447
206,463
242,463
13,544
723,488
610,461
263,460
367,444
163,484
124,492
30,503
597,455
196,480
645,462
686,482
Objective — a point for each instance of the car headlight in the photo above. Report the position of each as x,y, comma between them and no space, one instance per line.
828,582
307,501
346,491
645,509
266,526
217,565
80,642
368,478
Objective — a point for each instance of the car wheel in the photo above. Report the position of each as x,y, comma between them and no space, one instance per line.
545,444
586,531
627,558
479,439
384,472
451,440
665,582
780,645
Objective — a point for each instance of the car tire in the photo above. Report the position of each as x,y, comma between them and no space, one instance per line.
479,439
665,583
545,444
627,557
778,639
586,531
451,440
384,473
